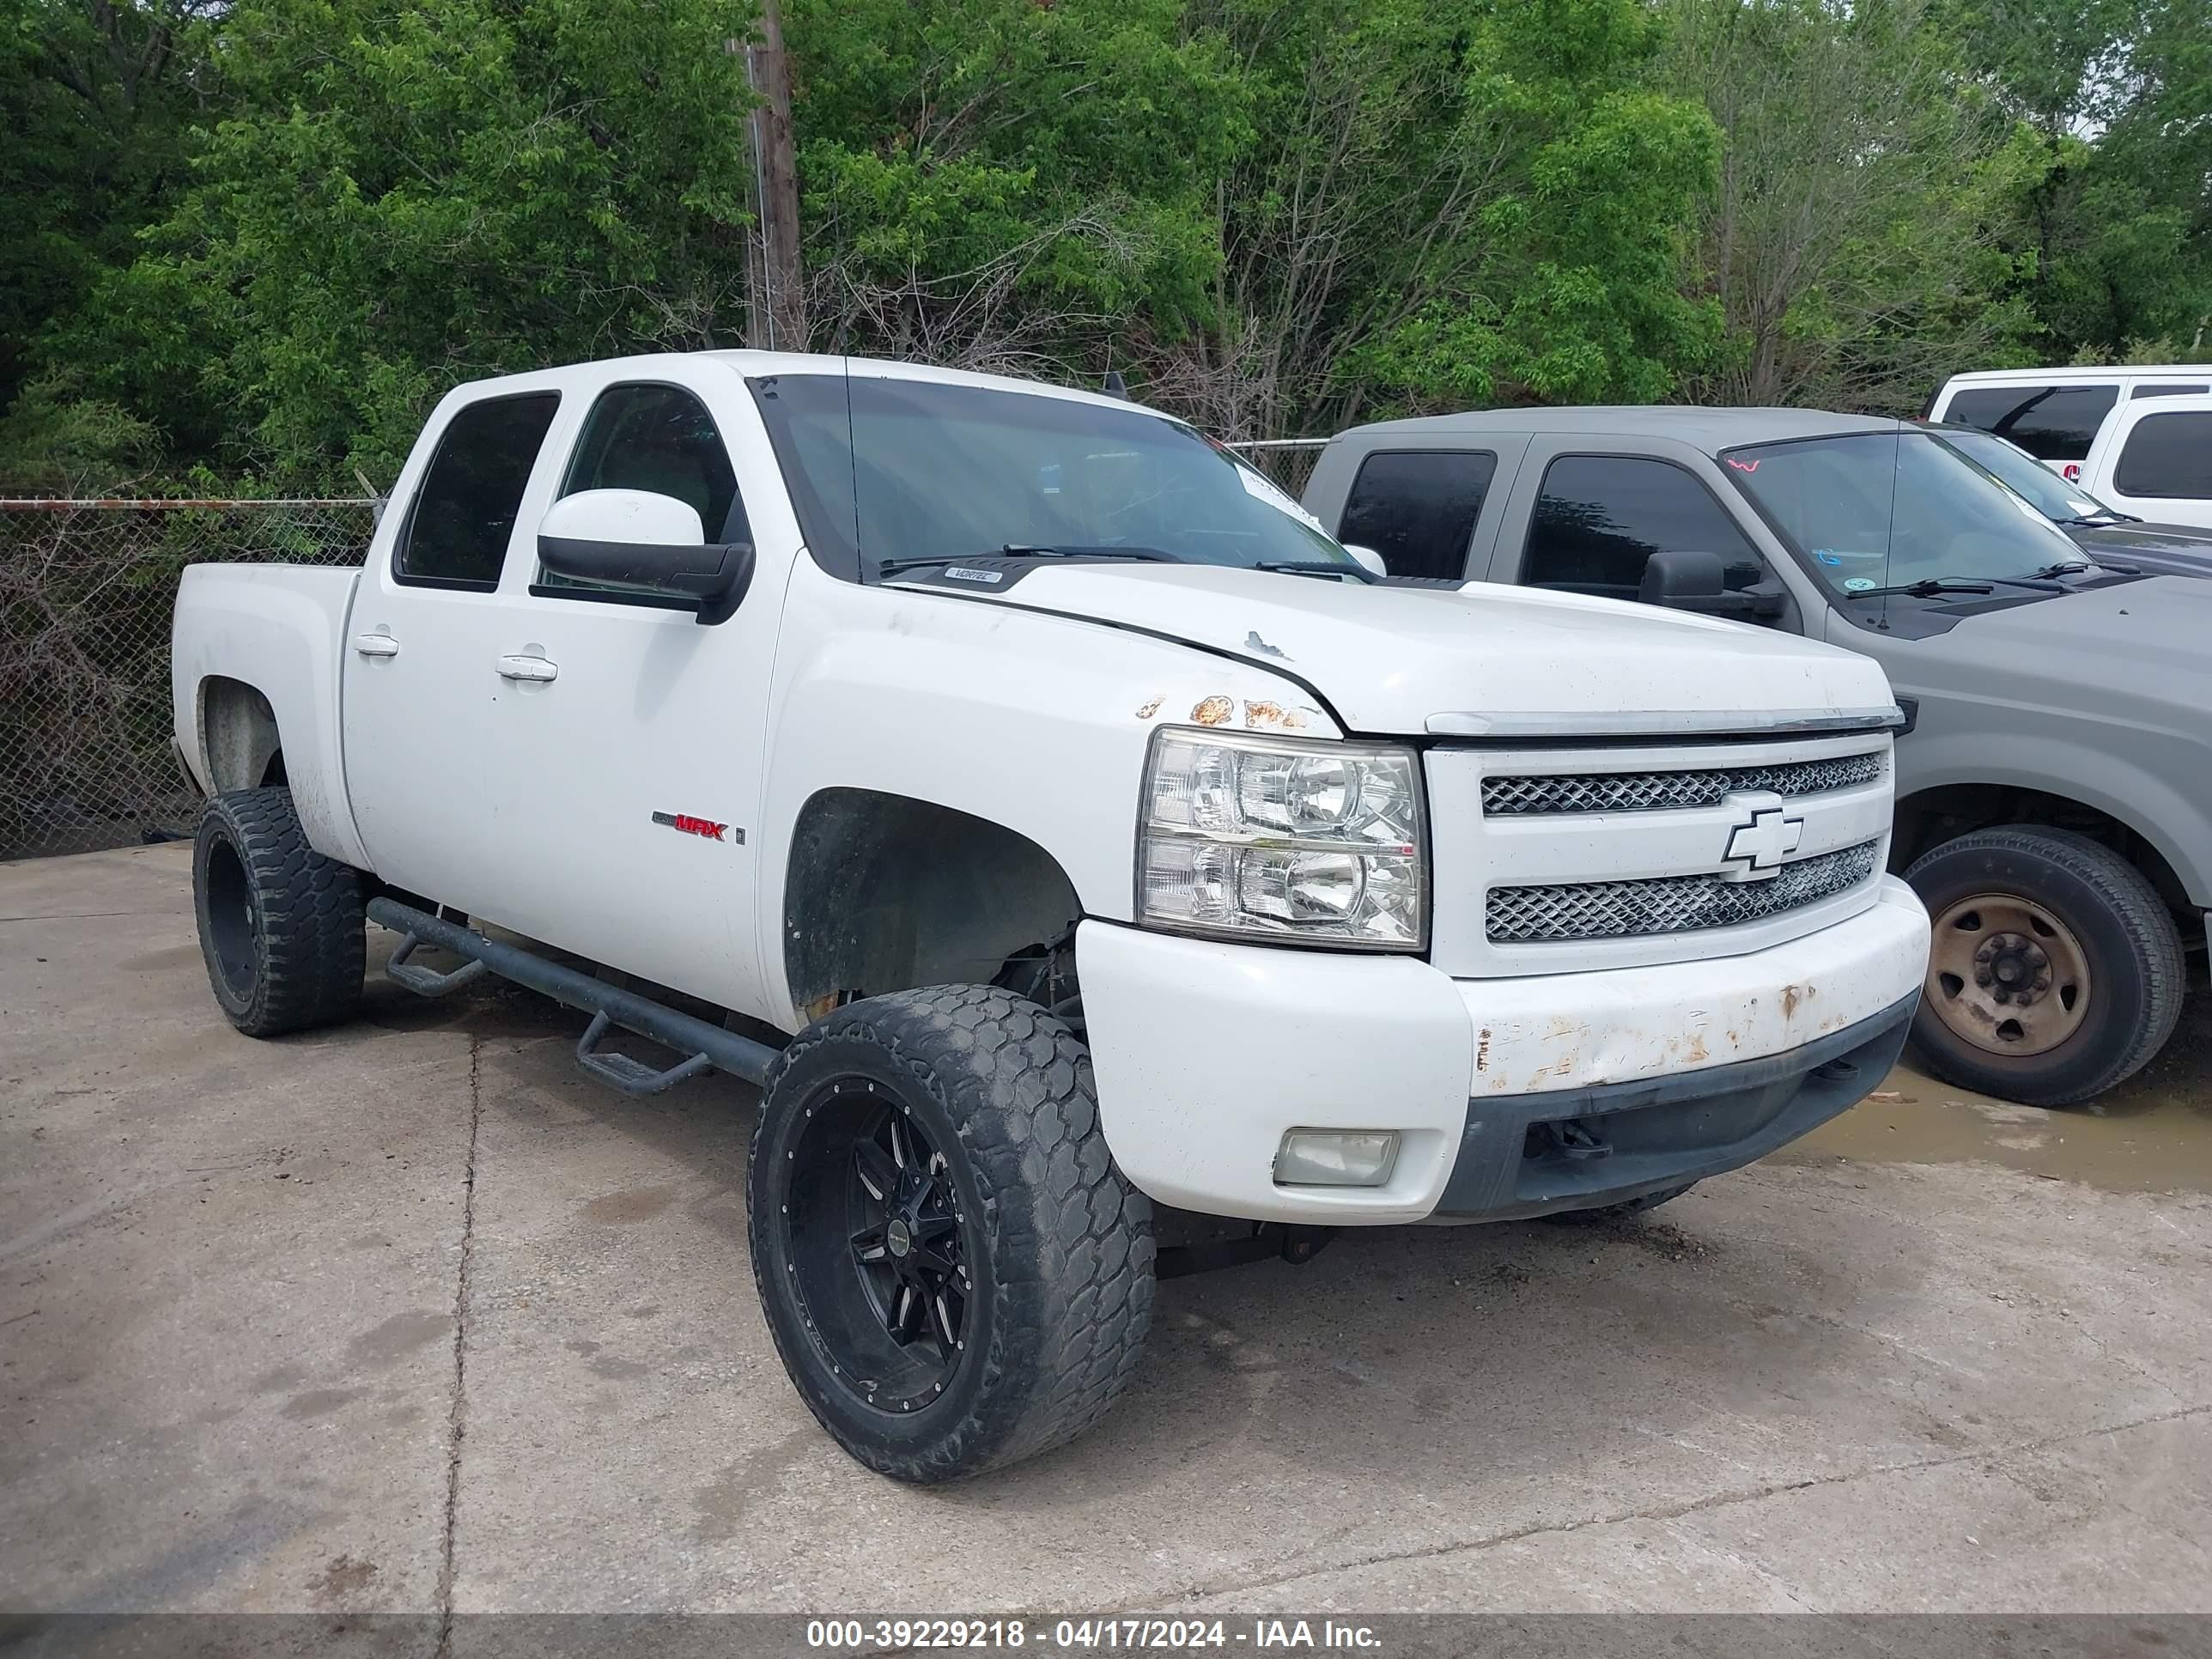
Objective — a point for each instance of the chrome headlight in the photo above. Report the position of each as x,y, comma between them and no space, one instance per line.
1282,839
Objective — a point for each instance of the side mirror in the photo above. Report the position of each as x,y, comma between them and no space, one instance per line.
1368,559
1682,579
635,538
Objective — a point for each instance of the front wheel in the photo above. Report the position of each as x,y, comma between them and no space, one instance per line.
2054,970
954,1274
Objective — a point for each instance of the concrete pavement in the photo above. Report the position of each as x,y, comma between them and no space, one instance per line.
410,1316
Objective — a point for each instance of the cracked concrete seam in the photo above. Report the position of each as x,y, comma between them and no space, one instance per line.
457,1416
1711,1501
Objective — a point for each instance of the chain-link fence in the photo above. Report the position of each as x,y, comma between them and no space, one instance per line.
1288,461
85,592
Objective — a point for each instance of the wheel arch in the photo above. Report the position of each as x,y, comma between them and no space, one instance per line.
886,892
1939,812
241,743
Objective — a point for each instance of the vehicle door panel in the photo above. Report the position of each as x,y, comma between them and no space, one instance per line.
1610,546
1367,507
630,782
417,687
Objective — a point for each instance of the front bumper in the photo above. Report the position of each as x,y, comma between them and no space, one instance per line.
1585,1148
1205,1053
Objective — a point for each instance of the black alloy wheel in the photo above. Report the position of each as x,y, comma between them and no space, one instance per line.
955,1273
874,1230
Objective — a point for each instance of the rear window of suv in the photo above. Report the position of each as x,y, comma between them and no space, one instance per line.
2169,456
2050,422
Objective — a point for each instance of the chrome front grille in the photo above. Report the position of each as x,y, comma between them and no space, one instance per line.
1638,792
1669,904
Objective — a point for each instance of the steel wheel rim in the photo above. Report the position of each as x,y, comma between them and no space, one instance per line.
2007,976
230,918
877,1246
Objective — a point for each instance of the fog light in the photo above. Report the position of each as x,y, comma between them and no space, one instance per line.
1336,1157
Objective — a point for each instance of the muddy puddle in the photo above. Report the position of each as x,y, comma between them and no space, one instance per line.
2153,1134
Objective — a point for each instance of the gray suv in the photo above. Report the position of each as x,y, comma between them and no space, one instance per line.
2055,781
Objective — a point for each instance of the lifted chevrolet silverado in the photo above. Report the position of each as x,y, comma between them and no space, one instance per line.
1054,826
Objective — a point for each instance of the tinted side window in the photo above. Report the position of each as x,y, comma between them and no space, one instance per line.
2168,455
2167,389
661,438
1417,508
464,515
2050,422
1600,518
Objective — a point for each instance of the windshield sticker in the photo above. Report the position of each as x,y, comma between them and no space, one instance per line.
1744,466
1859,584
1838,555
1261,489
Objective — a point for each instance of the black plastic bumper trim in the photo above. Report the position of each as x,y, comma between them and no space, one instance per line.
1663,1131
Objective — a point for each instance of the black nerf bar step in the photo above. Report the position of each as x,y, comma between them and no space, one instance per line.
609,1004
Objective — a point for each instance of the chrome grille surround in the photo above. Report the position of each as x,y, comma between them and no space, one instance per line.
1637,792
1669,904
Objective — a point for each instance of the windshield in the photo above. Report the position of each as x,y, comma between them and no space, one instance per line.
1874,509
917,469
2020,473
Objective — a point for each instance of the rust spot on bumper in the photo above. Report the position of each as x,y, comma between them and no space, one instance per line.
1213,711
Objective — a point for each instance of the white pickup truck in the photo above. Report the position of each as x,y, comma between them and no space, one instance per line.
1054,826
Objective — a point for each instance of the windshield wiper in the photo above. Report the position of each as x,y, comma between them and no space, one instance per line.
1927,588
2082,568
1317,568
1025,550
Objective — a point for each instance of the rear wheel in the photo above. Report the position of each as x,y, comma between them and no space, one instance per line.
280,925
2054,970
956,1275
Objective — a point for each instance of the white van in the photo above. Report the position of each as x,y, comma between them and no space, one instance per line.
2054,413
2155,461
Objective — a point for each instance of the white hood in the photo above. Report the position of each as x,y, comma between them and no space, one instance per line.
1483,659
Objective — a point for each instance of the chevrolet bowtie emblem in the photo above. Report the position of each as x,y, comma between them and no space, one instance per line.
1761,845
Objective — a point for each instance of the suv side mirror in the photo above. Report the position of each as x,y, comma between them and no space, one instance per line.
1681,580
635,538
1368,559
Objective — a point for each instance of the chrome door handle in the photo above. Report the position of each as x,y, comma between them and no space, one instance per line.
376,645
526,668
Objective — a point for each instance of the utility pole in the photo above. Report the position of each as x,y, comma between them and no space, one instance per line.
775,319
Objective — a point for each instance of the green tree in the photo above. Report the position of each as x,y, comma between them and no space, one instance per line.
96,99
1451,203
1004,185
400,199
2111,168
1857,241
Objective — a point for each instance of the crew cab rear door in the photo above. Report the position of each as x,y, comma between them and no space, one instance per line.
1419,500
419,690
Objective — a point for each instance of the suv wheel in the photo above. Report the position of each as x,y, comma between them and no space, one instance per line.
956,1275
280,925
2054,971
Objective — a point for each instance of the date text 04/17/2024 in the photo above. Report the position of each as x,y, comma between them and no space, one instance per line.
1088,1635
